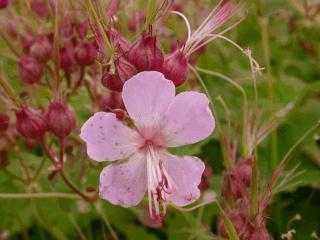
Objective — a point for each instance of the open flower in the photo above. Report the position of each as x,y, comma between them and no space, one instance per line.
162,120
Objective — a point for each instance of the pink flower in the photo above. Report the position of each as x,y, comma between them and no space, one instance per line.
162,120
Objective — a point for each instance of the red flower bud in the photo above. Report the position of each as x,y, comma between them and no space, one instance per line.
123,71
3,3
30,70
61,118
110,101
4,122
30,123
175,67
244,171
26,42
41,49
146,55
118,42
66,57
82,28
40,7
238,220
85,54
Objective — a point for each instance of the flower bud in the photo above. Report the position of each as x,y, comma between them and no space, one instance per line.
231,186
146,55
61,118
40,7
4,122
124,70
117,41
3,3
82,28
30,70
244,171
238,220
85,54
41,49
175,67
30,123
111,100
26,42
66,57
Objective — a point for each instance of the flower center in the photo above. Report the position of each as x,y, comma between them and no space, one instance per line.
159,183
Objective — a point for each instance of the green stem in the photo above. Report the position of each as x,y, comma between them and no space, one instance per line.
106,221
17,196
9,91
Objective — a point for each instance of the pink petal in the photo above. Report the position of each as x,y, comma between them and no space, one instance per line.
124,183
185,173
147,96
107,138
188,119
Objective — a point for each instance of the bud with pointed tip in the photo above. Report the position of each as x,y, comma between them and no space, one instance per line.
30,123
85,54
30,70
26,42
146,55
175,67
41,49
61,118
244,171
40,7
120,44
4,122
66,57
3,3
109,101
124,70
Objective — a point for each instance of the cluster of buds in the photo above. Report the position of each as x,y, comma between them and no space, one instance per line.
60,119
235,190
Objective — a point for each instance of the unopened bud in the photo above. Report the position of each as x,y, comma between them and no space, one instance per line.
85,54
30,70
3,3
61,118
124,70
146,55
118,42
30,123
175,67
111,100
4,122
66,57
244,171
40,7
41,49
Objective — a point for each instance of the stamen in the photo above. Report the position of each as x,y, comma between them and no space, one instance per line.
186,21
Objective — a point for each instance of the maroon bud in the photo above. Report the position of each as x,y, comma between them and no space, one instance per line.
30,70
118,42
136,20
40,7
30,123
3,3
4,122
66,57
244,171
26,42
85,54
110,101
146,55
231,186
175,67
124,70
41,49
82,28
61,118
30,143
238,220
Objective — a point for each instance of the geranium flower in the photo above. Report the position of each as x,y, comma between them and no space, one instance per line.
142,163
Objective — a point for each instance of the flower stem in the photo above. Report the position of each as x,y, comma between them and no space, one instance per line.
39,195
